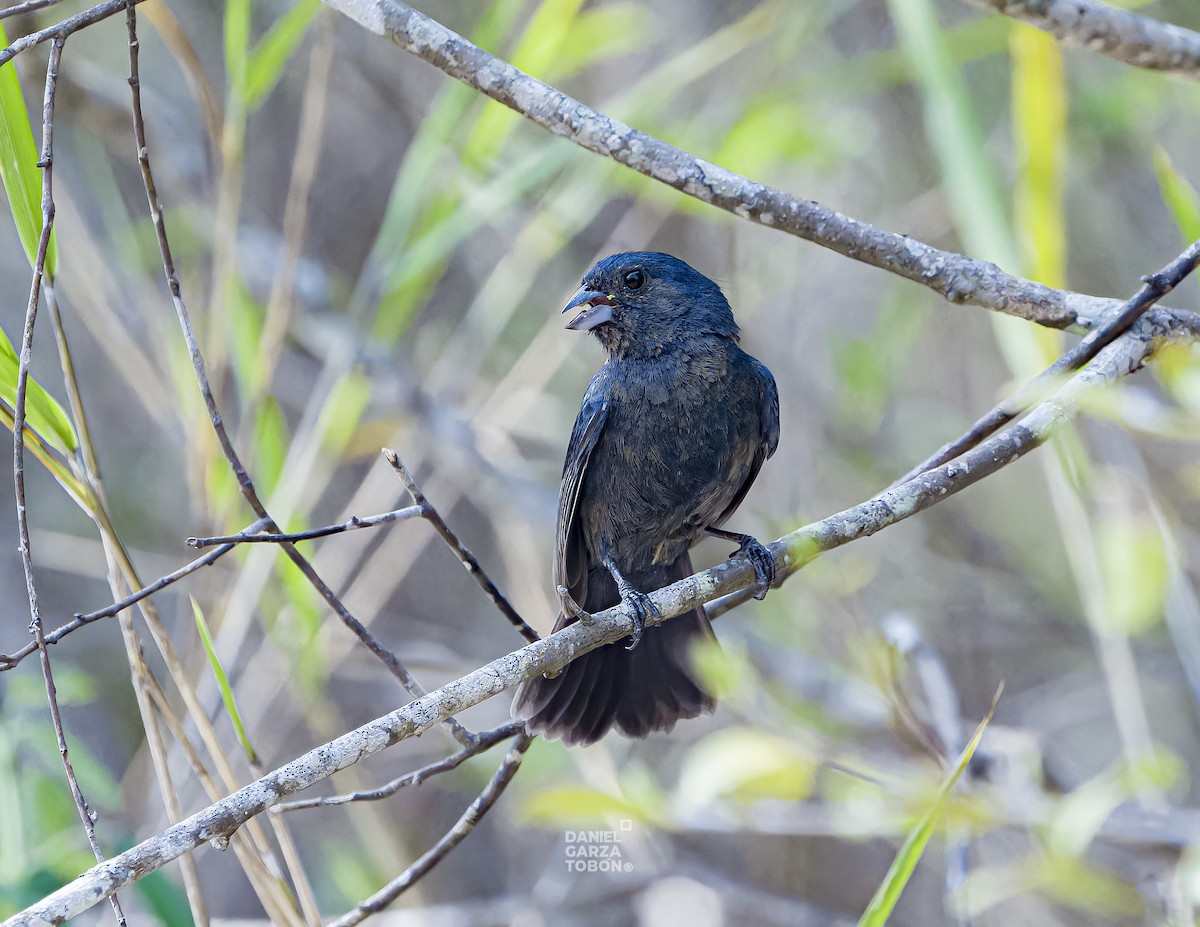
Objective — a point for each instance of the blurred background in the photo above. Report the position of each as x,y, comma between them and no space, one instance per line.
374,255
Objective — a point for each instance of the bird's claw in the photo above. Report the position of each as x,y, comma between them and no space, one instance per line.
641,609
764,565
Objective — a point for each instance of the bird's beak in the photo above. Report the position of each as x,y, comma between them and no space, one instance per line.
597,309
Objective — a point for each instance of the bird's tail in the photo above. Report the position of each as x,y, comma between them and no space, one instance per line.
638,691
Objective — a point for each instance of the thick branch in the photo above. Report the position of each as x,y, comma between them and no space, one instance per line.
956,277
1120,34
791,552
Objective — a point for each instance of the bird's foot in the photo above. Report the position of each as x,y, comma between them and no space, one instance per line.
639,607
762,561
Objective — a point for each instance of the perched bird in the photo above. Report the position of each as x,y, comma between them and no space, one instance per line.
673,430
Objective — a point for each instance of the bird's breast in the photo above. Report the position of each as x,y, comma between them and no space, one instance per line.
677,446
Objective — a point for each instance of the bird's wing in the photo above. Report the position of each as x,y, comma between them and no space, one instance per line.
768,395
570,551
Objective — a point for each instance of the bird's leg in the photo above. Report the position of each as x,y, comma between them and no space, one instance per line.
760,558
636,604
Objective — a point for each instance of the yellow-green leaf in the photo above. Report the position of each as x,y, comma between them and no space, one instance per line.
273,51
18,166
1133,560
43,414
905,863
744,764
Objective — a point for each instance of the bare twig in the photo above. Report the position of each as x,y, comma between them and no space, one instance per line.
467,558
28,6
791,553
386,656
452,838
1121,34
1154,287
251,535
8,661
484,741
958,278
46,163
65,28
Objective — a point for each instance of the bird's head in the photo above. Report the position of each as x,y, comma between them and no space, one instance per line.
644,301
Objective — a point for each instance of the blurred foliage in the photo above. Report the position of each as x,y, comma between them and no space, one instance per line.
417,308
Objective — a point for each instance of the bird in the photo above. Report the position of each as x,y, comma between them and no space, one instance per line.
672,431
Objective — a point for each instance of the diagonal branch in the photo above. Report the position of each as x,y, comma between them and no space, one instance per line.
1119,34
958,278
791,553
1154,287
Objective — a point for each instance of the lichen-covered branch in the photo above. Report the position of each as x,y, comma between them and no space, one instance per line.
958,278
1120,34
791,552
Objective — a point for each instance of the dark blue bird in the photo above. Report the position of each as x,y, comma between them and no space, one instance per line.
673,430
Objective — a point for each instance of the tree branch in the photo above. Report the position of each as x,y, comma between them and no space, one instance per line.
791,552
958,278
1120,34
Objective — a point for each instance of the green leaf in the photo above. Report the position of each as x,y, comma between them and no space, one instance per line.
237,45
745,764
578,805
342,412
1134,563
539,46
905,863
273,51
1177,192
43,414
271,446
18,166
222,682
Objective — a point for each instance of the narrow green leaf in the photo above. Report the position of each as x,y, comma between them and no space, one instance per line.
43,414
538,47
237,46
1179,195
745,764
273,51
905,863
222,682
271,445
18,166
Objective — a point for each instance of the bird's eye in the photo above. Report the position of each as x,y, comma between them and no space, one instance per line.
634,280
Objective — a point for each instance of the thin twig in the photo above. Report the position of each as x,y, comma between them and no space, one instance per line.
467,558
1120,34
28,6
484,741
46,163
250,536
958,278
65,28
8,661
452,838
386,656
1154,287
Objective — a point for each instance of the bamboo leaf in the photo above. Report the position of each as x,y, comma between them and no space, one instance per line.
274,50
43,414
18,166
231,708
